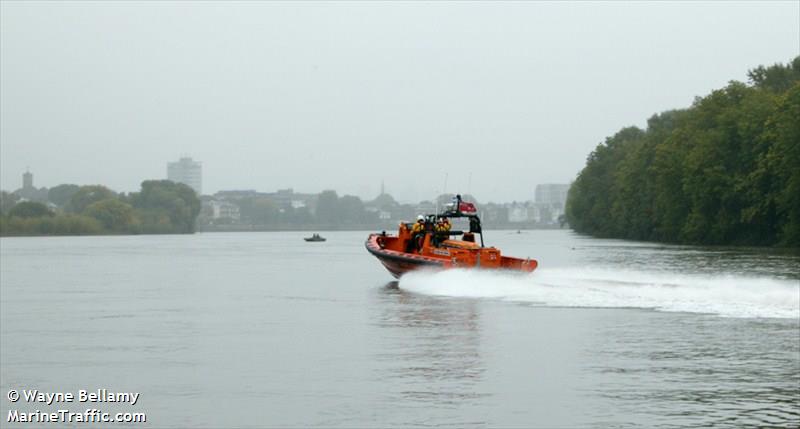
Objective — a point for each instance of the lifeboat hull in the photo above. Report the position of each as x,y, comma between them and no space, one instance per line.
398,262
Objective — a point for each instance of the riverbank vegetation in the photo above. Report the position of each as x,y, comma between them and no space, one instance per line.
724,171
160,207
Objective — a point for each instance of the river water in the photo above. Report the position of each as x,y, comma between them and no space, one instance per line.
266,330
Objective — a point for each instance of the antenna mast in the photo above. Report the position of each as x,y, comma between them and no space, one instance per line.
444,191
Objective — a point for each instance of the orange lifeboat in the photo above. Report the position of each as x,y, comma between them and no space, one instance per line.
442,248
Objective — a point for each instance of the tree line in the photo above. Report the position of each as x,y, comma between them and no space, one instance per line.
724,171
160,207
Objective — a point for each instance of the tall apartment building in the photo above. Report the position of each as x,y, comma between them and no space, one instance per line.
188,172
550,201
554,194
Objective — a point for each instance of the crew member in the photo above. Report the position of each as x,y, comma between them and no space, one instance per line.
442,230
419,226
417,235
446,224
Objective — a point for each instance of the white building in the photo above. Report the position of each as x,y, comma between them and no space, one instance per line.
535,213
517,212
188,172
215,209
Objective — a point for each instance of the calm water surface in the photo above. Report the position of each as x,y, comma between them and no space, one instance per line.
266,330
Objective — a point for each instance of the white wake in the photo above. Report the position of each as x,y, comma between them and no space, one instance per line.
728,296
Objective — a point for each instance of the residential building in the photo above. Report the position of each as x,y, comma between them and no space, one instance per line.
216,209
518,212
552,194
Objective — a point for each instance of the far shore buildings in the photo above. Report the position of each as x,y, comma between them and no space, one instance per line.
547,207
226,205
238,207
216,209
188,172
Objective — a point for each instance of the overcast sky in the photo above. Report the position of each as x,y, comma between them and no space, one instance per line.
321,95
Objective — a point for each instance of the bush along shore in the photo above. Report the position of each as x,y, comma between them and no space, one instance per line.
725,171
160,207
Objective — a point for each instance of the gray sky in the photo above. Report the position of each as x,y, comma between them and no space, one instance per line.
321,95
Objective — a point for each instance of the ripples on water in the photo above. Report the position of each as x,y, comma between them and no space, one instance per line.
444,368
265,330
708,372
729,357
656,370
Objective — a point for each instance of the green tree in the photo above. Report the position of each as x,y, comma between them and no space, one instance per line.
60,195
258,210
350,210
30,209
328,208
778,77
113,214
87,195
63,224
7,201
783,159
724,171
590,199
159,200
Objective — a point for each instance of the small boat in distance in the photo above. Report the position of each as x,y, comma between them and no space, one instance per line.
432,247
315,237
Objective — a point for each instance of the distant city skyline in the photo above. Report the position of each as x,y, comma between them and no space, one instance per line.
189,171
365,191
